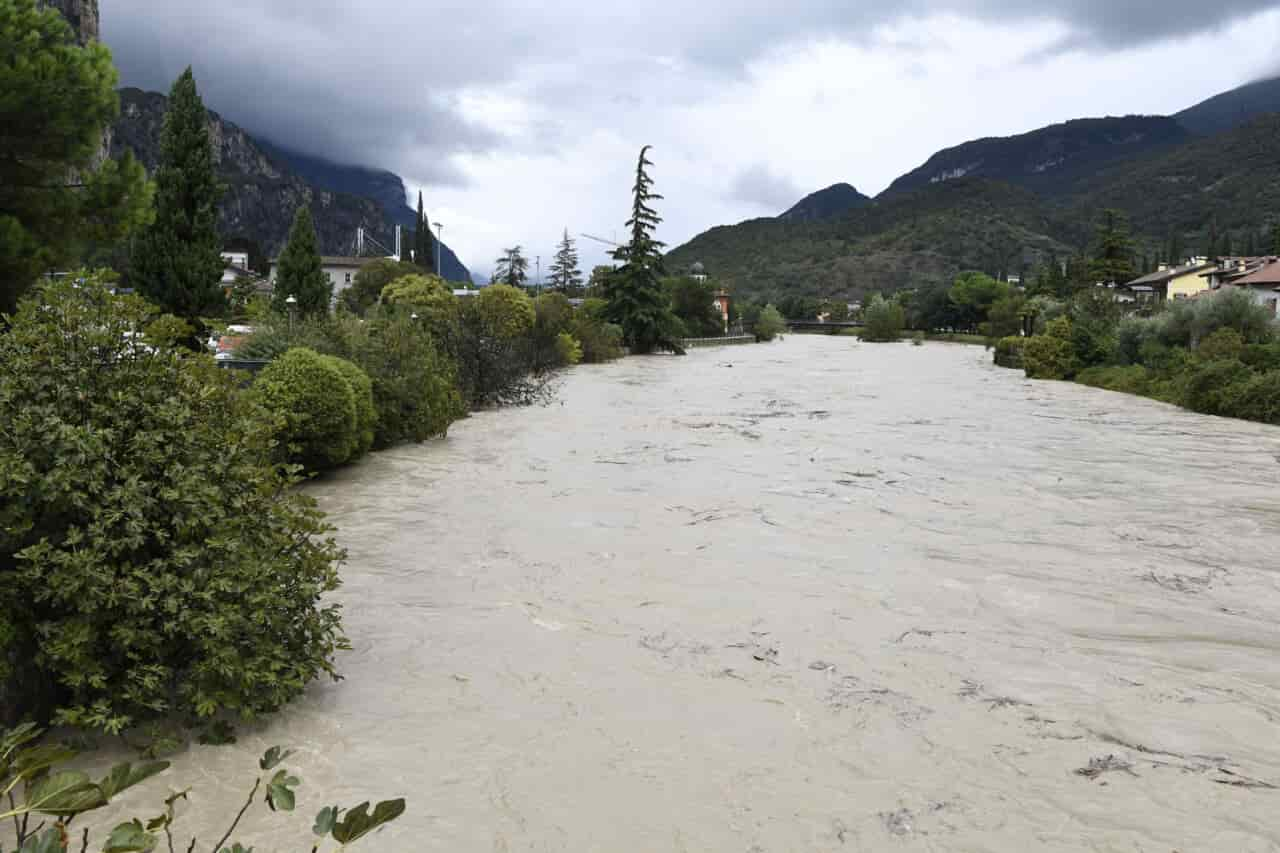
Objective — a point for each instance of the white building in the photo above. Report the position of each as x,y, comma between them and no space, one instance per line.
340,271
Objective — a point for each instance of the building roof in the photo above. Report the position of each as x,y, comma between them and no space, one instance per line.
1164,276
337,261
1267,274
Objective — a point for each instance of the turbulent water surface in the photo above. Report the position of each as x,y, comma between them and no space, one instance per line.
816,595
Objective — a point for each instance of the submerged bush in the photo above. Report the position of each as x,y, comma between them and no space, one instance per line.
770,324
1051,355
153,560
316,407
601,340
1217,388
1131,379
362,395
1008,351
884,320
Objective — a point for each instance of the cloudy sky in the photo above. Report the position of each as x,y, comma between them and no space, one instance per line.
520,118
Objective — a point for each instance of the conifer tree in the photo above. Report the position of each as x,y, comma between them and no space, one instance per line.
56,194
301,273
1113,255
1275,240
1251,245
1175,248
1214,247
1226,243
512,268
565,273
636,300
424,242
177,263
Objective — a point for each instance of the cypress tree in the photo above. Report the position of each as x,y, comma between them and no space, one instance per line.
1251,246
1275,240
424,243
565,274
1226,243
636,300
301,273
1214,243
1113,259
177,262
1175,248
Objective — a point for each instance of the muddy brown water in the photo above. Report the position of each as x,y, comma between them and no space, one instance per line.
815,595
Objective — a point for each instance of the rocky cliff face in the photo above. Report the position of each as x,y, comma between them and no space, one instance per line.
262,195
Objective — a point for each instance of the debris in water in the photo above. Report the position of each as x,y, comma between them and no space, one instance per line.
822,666
1107,764
899,822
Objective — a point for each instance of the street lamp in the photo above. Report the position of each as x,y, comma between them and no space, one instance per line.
292,302
413,316
439,243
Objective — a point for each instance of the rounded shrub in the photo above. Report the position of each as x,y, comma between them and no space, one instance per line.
366,414
315,406
505,312
1008,352
1051,355
770,324
1225,344
1216,388
568,350
154,562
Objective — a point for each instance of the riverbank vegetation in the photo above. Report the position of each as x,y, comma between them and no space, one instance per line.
1218,354
45,797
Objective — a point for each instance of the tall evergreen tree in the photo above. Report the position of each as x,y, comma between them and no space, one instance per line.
301,272
1275,240
177,263
565,273
1251,244
1213,247
1113,253
424,242
512,268
1175,248
1227,248
636,300
56,194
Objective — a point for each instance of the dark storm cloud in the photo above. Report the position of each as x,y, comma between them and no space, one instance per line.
376,82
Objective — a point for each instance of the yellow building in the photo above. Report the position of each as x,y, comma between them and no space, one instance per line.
1171,282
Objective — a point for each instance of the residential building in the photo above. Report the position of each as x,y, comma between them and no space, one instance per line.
1263,284
341,271
1167,282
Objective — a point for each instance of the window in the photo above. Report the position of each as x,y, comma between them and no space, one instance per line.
348,279
330,277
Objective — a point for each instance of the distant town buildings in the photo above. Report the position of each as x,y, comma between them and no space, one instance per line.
341,271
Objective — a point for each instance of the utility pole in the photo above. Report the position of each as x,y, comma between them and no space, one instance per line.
538,288
439,251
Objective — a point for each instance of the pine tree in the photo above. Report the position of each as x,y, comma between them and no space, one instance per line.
1275,240
565,273
1113,255
177,263
635,296
512,268
1251,245
424,242
56,194
1175,249
300,273
1214,243
1226,244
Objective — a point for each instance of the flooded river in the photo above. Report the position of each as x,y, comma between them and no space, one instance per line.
815,595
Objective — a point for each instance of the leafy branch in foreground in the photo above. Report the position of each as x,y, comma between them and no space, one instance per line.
48,792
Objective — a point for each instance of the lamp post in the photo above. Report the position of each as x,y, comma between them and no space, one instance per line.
292,302
439,253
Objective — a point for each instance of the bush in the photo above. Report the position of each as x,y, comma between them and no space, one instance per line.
601,341
414,390
504,312
1223,345
1262,357
568,350
1232,308
1008,352
770,324
1132,334
1132,379
1258,399
316,407
553,317
1216,388
153,560
884,321
1051,355
366,413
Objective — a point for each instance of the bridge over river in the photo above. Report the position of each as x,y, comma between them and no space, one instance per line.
815,595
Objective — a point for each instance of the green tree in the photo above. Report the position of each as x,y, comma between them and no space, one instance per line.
512,268
636,299
371,280
1113,249
693,302
884,320
424,242
154,561
506,312
1227,247
1275,240
770,324
55,195
177,263
974,294
300,272
564,273
1176,252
